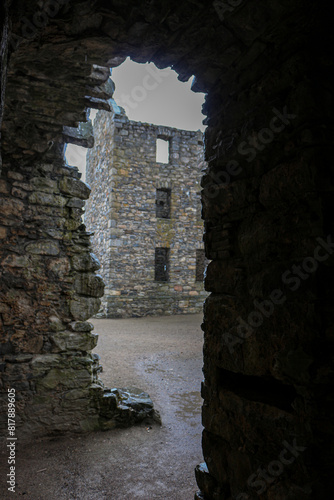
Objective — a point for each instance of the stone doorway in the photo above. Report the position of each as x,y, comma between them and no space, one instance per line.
269,203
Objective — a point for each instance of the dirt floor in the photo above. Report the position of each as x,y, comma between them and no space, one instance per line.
162,356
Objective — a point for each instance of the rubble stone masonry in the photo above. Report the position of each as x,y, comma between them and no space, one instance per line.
125,177
266,69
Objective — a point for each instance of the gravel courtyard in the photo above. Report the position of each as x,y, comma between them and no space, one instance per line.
163,356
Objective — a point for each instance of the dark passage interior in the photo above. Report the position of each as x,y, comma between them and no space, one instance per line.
267,199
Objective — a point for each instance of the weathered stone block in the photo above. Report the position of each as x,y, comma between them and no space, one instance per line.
73,224
53,200
11,207
15,175
85,262
81,136
89,284
79,326
3,187
84,341
83,308
75,188
56,325
44,184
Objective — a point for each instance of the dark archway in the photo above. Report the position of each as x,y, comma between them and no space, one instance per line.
266,204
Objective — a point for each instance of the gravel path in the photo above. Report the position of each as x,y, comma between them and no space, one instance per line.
162,356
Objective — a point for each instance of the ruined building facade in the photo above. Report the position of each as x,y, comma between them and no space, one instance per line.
145,214
268,206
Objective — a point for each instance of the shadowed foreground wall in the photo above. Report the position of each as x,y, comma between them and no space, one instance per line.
267,205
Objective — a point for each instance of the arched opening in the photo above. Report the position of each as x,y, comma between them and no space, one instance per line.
147,236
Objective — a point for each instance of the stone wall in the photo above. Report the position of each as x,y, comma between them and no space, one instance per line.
49,290
267,204
121,212
4,43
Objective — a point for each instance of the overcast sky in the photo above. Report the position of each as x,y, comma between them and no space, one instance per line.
157,96
153,96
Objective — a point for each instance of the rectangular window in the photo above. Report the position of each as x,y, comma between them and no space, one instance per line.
201,263
163,203
161,264
162,151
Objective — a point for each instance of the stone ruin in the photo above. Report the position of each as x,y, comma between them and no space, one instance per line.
146,217
267,200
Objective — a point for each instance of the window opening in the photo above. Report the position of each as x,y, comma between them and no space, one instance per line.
161,264
162,150
163,198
